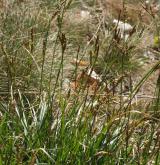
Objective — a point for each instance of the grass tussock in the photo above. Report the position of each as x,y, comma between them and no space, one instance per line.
75,87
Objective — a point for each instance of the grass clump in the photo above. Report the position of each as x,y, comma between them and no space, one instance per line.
52,112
